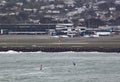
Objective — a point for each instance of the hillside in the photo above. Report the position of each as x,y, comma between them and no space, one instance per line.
79,12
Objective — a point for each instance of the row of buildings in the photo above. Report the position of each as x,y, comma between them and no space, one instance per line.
60,29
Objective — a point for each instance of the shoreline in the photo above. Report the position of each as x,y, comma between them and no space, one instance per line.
60,49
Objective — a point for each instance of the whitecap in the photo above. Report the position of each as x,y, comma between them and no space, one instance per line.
10,52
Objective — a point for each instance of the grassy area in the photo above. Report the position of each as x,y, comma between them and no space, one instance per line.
62,45
30,41
107,41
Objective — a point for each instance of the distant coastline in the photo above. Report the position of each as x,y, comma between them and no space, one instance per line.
60,49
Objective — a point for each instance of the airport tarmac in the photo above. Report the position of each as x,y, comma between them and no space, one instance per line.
44,39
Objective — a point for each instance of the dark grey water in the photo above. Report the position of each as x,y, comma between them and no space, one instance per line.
59,67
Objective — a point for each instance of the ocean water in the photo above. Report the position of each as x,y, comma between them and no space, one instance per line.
59,67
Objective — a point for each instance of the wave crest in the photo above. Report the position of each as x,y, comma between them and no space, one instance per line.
9,52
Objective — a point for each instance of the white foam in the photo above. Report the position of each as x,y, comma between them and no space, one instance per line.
68,52
37,52
15,52
10,52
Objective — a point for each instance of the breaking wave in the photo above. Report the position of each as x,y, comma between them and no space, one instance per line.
9,52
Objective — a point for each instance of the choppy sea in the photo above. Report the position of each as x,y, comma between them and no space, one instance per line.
59,67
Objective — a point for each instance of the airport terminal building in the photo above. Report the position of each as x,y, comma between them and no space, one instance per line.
34,29
26,29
